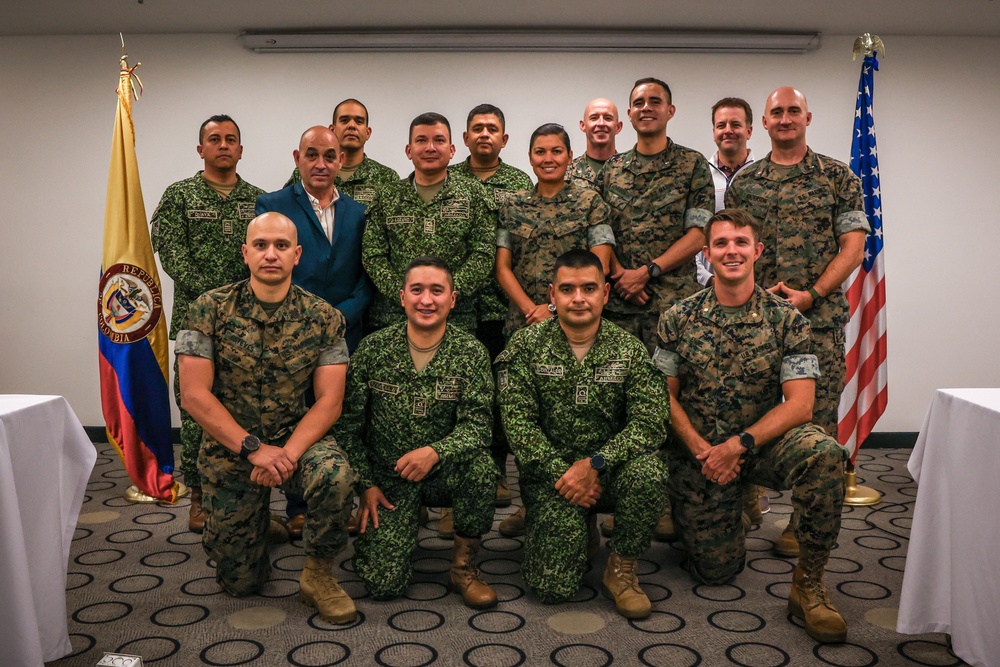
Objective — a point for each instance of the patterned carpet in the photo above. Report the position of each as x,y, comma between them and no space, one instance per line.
139,583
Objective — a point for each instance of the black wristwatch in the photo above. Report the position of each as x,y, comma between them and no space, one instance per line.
598,462
748,443
250,444
654,270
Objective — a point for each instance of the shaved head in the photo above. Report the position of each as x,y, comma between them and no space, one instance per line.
273,222
782,96
318,133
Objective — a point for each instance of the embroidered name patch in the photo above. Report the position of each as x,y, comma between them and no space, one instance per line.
502,196
448,389
549,370
400,220
384,387
202,215
457,209
245,209
615,370
364,193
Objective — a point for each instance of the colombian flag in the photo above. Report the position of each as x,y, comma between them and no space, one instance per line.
132,329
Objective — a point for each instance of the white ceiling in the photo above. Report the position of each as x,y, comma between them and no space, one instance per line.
831,17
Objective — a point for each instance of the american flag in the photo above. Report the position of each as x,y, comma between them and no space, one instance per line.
865,396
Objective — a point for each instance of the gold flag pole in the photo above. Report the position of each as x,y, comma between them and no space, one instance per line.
862,496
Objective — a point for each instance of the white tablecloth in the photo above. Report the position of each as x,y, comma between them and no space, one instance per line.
952,579
45,462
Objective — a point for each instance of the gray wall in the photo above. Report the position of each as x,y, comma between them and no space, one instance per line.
936,112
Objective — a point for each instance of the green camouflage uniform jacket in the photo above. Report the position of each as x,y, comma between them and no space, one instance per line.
503,185
458,226
391,409
537,230
803,213
652,207
557,410
731,366
581,173
363,183
263,365
199,236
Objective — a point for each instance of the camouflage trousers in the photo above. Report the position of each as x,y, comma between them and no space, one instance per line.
555,547
641,325
382,556
238,511
828,344
190,438
708,516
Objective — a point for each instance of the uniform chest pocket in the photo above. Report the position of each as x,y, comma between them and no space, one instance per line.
665,198
696,351
560,228
299,349
523,231
816,200
760,363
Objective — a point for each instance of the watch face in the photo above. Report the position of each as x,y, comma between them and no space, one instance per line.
746,440
597,462
251,443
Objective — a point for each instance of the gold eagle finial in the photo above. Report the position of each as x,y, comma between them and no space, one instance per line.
867,44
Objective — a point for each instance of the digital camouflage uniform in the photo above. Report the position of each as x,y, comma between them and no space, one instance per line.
508,181
391,409
803,213
557,411
458,226
731,367
581,173
363,183
263,367
199,235
652,207
537,230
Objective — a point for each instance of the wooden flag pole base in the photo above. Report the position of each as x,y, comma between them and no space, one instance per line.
859,496
134,495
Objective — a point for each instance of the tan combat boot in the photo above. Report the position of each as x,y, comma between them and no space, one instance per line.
196,515
319,589
446,524
810,601
787,545
751,503
503,498
665,530
621,584
465,578
514,525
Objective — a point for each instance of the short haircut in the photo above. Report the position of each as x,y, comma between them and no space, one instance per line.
429,118
650,79
217,118
349,100
577,258
733,103
550,129
739,218
486,109
426,260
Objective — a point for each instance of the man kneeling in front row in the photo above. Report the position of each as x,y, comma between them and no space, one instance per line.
742,375
417,426
584,411
247,354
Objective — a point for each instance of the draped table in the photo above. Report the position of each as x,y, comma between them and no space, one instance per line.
45,462
951,582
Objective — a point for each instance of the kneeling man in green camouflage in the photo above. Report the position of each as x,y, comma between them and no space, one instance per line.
417,426
584,410
742,376
248,353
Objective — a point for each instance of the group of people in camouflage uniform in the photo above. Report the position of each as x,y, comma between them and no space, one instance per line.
617,382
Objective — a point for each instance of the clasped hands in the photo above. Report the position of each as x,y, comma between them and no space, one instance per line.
721,464
579,485
272,465
630,284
